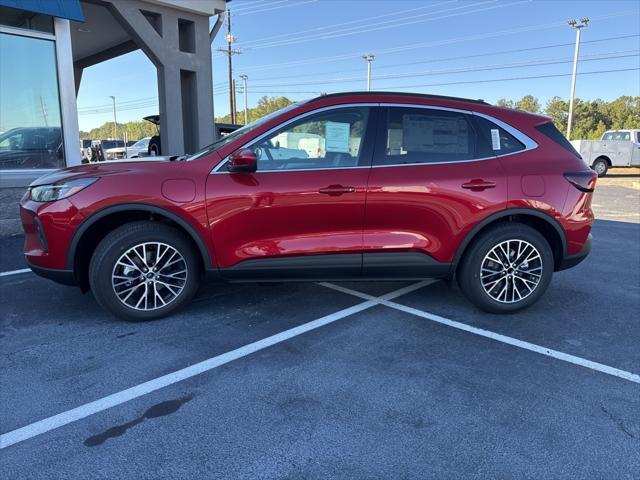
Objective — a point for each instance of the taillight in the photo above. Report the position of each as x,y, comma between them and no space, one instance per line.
583,181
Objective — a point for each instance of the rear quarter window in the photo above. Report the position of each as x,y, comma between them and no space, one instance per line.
500,141
550,131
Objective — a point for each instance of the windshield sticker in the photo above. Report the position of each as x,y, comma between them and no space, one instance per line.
337,137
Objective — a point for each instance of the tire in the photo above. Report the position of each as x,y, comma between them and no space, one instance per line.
154,147
600,166
118,275
480,286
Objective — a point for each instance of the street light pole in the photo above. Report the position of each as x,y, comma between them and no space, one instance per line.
577,26
115,122
246,114
369,58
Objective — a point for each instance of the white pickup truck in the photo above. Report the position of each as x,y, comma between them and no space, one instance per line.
616,148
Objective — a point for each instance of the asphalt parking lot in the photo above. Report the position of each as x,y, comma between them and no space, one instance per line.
349,380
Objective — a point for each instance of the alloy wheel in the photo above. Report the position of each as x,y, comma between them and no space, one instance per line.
149,276
511,271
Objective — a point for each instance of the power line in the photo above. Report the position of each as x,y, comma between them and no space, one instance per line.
472,68
446,59
468,9
436,43
271,8
400,87
351,22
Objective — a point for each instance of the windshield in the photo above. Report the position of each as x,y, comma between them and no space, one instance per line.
143,142
241,131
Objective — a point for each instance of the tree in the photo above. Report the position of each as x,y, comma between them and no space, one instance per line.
528,103
265,106
503,102
558,110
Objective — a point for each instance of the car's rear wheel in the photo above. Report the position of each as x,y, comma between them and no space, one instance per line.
600,166
143,271
507,268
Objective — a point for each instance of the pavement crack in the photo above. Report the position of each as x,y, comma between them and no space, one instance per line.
618,422
158,410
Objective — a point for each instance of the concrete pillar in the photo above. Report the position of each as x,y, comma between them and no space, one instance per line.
186,117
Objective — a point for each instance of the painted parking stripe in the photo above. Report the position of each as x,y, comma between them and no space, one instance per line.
15,272
91,408
532,347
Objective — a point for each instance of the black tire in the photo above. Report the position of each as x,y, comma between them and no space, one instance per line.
600,166
154,148
469,273
122,240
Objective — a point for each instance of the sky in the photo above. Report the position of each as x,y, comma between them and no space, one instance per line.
487,49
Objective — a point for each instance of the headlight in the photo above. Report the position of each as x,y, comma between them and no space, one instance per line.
58,191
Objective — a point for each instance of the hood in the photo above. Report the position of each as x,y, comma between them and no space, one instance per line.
114,150
101,169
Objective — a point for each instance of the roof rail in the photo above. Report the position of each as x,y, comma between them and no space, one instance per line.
403,94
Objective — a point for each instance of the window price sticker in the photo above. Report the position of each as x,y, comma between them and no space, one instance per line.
495,139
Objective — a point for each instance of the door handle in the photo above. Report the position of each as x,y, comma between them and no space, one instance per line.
478,185
335,190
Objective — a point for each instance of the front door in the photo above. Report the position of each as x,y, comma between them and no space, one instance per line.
301,214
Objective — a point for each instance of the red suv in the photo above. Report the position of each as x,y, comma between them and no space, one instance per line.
345,186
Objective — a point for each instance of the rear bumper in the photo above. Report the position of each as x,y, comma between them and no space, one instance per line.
64,277
573,260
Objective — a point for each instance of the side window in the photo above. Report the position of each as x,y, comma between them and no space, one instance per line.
607,136
330,139
626,136
500,141
422,135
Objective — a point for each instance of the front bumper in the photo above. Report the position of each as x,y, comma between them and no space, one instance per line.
48,229
573,260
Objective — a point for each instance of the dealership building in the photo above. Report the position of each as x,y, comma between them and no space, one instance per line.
46,44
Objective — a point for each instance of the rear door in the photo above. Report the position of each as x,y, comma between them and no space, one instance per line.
433,176
301,214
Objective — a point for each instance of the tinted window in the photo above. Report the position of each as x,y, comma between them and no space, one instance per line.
422,135
550,130
327,140
501,141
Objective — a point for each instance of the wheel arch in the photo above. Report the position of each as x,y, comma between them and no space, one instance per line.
544,223
96,226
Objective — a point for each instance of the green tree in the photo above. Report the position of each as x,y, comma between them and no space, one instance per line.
265,106
558,110
528,103
503,102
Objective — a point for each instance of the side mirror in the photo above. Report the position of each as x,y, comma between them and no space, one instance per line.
242,161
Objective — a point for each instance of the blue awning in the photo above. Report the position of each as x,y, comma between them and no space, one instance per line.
69,9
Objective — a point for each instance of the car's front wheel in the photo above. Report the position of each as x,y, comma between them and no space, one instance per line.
507,268
143,271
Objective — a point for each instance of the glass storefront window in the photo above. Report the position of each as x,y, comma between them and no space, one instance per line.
30,120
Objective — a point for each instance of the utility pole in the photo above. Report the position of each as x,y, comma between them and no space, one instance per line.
577,26
369,58
246,114
229,51
115,122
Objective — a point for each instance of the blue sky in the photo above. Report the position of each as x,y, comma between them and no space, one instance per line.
299,48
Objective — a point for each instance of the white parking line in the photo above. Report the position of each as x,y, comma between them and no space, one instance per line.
91,408
14,272
583,362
